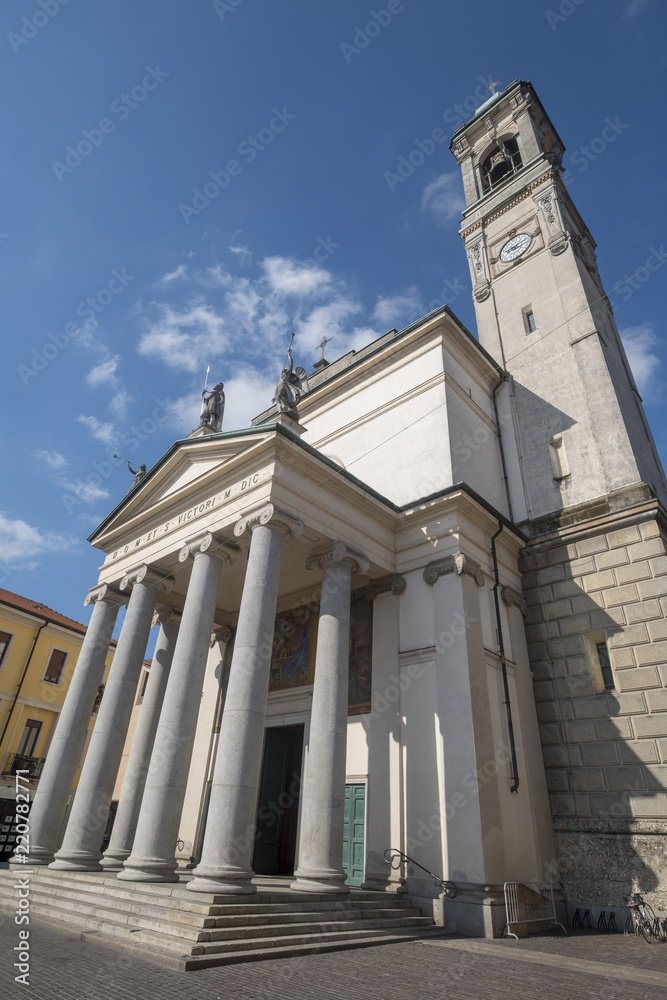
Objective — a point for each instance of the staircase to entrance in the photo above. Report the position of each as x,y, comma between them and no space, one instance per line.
166,924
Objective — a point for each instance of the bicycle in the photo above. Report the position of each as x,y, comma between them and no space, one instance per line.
641,919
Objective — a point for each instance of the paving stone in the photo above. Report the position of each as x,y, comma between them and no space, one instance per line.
67,968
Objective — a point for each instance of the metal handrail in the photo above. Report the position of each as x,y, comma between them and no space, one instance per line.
399,857
23,762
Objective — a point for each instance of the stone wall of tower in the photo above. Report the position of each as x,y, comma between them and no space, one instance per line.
605,751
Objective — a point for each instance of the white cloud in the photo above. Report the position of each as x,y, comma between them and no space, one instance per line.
243,253
638,342
105,432
216,277
86,492
187,339
103,372
52,458
167,279
398,310
20,540
328,320
288,277
248,393
443,198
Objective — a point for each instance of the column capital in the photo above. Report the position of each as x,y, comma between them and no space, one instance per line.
458,563
166,616
105,592
146,574
268,515
338,552
514,598
392,584
220,633
207,542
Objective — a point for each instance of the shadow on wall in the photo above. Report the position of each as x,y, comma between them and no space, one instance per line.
590,627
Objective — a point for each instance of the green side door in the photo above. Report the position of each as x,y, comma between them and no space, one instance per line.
353,833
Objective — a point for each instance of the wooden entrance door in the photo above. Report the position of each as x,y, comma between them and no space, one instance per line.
278,807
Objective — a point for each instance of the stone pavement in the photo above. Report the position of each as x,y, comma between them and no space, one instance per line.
63,967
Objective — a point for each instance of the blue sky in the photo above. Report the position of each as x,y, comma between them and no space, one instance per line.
121,283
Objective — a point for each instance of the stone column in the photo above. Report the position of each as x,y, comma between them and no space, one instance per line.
320,866
226,863
384,826
152,858
52,795
81,847
127,814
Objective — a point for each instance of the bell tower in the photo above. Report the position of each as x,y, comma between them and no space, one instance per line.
542,312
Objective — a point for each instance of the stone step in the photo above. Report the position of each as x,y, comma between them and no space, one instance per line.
83,913
163,923
194,962
93,902
163,895
260,919
109,884
195,927
231,936
179,888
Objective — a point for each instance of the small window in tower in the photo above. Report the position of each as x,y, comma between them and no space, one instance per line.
559,464
503,160
529,320
600,669
605,666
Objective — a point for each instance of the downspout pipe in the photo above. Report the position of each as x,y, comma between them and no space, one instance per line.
503,662
503,378
20,684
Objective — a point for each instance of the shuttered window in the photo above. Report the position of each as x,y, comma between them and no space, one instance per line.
55,667
5,639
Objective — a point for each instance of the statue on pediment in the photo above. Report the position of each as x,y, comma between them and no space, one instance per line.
212,408
289,389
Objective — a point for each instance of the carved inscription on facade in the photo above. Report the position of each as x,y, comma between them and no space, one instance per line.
191,514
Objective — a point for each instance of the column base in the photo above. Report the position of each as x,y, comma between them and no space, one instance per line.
36,856
324,880
379,884
228,881
114,859
148,870
76,861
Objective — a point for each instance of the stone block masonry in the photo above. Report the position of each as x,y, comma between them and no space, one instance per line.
604,747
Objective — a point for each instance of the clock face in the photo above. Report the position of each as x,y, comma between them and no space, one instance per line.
515,247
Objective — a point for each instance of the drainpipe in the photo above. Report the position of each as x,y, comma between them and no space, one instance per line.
503,662
20,685
503,378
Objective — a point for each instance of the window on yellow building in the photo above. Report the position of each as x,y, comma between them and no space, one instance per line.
5,640
55,668
29,737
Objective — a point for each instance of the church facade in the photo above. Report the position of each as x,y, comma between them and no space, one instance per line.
428,615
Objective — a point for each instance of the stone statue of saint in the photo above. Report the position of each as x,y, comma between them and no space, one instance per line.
213,408
288,390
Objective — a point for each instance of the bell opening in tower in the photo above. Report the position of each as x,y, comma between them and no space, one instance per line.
503,160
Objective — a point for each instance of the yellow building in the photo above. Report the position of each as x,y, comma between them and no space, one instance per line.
39,649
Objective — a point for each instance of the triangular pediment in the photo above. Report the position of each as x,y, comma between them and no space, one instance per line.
187,470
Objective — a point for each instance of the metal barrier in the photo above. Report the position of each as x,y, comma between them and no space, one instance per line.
529,903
